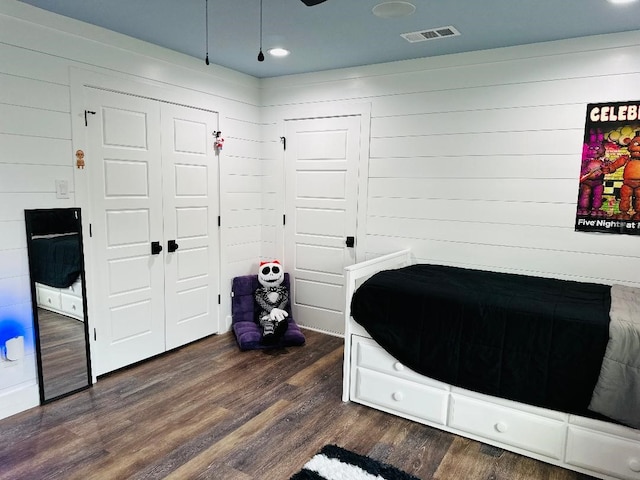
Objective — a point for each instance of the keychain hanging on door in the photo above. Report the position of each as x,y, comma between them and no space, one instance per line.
219,143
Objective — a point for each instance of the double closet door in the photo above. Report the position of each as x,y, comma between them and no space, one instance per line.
153,176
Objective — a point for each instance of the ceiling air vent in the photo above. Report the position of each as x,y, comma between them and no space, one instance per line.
432,34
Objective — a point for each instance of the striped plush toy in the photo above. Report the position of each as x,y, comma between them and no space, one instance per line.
272,298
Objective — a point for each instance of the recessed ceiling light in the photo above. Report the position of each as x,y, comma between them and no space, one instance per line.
393,9
278,52
620,2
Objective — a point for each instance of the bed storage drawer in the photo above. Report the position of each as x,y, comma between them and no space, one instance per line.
71,305
405,398
368,354
534,433
606,454
380,381
48,298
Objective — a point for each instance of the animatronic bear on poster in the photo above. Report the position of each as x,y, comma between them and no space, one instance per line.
609,188
272,298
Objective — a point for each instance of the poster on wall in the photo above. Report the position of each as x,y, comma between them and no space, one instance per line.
609,187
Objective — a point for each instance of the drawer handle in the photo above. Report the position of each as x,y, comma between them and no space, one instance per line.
398,396
501,427
398,366
634,465
73,307
48,300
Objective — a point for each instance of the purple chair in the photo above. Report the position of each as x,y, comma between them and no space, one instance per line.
247,331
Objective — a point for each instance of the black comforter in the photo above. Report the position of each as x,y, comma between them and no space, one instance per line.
56,261
530,339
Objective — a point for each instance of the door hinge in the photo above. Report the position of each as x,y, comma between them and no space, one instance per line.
284,219
219,299
87,112
283,140
219,221
95,335
90,231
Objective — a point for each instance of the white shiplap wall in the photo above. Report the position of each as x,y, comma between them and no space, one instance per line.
37,52
272,154
241,193
35,147
475,158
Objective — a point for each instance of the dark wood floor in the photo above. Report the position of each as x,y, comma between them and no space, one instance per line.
64,359
210,411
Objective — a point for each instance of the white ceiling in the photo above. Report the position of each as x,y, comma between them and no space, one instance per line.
342,33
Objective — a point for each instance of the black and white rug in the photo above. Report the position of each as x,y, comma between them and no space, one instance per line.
335,463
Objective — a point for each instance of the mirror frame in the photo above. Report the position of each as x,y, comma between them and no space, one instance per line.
30,217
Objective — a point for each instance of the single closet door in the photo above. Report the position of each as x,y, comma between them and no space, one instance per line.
123,162
154,180
321,175
190,179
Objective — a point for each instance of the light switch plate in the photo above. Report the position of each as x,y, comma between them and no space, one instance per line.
62,189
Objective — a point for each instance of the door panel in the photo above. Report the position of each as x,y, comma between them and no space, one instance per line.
128,274
320,259
192,263
321,184
191,181
126,178
126,181
329,145
130,321
315,221
127,227
190,175
319,295
192,221
125,128
321,165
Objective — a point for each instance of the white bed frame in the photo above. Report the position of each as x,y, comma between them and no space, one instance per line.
374,378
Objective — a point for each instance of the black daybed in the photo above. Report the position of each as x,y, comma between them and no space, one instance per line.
534,340
534,365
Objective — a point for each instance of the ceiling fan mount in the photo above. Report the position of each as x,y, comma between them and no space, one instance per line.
311,3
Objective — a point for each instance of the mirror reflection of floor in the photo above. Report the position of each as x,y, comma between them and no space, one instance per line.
64,360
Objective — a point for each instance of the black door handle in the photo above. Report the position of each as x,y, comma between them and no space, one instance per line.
156,248
172,246
351,241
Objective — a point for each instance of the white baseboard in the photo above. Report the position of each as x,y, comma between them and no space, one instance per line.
19,399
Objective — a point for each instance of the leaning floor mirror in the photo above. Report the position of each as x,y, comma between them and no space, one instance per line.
56,268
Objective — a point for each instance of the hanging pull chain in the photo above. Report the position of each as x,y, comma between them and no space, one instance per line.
260,54
206,24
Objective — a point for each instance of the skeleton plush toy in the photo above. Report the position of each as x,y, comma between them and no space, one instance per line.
272,298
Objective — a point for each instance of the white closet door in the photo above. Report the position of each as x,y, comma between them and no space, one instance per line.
125,171
321,169
190,178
